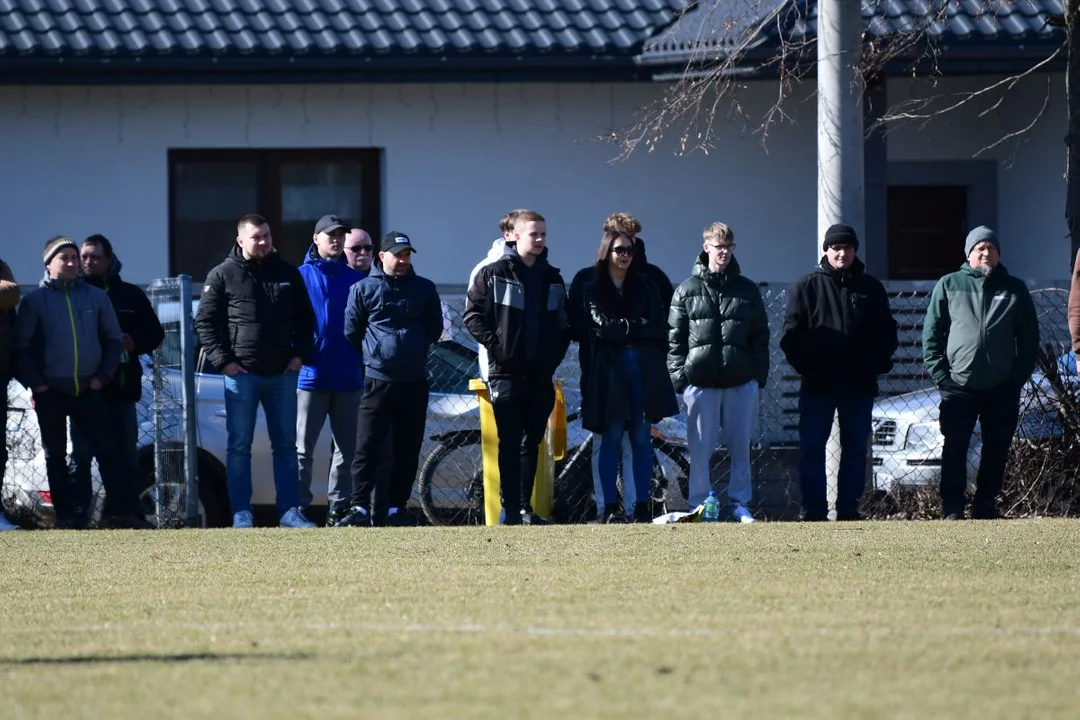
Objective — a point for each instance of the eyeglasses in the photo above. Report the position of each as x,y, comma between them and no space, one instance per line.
726,247
357,249
623,250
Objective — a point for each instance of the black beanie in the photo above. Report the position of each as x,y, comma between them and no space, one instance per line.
840,235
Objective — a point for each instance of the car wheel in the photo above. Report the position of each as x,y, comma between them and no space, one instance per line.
213,505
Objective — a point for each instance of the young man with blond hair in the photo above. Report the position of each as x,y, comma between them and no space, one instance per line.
718,358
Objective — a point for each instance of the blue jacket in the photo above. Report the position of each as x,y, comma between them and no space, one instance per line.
395,320
335,365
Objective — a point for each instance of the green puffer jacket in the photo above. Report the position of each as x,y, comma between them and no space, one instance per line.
980,332
718,330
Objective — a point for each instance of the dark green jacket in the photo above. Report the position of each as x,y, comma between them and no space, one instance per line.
718,330
980,332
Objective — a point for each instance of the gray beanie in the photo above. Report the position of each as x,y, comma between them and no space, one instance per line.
978,235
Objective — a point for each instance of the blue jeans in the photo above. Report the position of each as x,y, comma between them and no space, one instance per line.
639,431
815,423
124,423
244,392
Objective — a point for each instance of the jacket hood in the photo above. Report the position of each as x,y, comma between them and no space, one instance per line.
540,263
701,269
999,271
313,258
114,271
48,282
641,251
499,247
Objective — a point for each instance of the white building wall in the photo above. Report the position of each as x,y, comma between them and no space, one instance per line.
79,160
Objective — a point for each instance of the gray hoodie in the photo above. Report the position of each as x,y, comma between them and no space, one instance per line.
66,333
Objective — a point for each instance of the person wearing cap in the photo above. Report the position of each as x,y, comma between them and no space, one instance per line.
9,299
255,322
839,335
67,347
359,250
516,309
394,316
142,334
332,378
980,343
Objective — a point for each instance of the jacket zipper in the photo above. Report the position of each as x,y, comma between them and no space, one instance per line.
123,354
74,336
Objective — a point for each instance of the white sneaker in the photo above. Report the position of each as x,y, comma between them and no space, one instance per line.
742,515
243,519
5,524
294,518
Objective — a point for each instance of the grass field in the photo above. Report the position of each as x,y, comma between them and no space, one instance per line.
929,619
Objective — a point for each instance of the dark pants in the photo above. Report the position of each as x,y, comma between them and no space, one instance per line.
815,423
123,420
3,414
997,410
397,409
522,408
88,414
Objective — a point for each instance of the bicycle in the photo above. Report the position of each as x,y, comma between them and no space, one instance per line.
462,503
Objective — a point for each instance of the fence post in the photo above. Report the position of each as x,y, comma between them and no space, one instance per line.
157,383
188,401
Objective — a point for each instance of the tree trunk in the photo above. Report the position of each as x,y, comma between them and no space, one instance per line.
1072,138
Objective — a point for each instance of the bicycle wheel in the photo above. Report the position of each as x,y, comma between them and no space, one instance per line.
679,457
452,484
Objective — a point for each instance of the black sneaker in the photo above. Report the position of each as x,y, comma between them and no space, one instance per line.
334,517
514,518
531,518
356,517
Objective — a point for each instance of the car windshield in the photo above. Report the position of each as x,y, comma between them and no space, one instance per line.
450,367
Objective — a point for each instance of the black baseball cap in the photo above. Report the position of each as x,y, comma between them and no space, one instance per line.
396,242
329,223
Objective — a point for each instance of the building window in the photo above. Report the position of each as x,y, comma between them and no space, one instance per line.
209,190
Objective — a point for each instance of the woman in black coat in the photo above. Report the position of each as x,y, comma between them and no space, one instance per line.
628,385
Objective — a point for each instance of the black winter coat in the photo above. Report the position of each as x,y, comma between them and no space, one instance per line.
639,322
839,333
256,313
495,316
137,319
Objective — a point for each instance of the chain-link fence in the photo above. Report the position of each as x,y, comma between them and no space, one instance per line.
904,456
164,444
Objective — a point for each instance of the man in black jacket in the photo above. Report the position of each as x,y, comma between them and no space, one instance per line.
625,224
393,317
517,310
9,299
255,322
839,335
142,334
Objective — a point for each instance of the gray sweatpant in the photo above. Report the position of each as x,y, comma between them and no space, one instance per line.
312,409
708,411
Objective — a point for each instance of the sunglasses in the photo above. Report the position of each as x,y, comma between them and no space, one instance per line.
357,249
623,250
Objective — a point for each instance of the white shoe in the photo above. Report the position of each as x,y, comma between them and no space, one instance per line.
5,524
294,518
243,519
742,515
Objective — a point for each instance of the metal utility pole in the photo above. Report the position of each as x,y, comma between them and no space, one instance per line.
841,181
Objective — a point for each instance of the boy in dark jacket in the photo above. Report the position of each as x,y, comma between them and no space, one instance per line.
839,335
980,343
332,380
394,316
516,309
68,346
256,323
718,358
9,299
141,334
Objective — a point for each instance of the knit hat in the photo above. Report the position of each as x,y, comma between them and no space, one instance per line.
57,244
840,235
978,235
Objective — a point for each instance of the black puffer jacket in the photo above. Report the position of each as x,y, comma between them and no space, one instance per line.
495,316
638,323
138,320
719,330
256,313
839,333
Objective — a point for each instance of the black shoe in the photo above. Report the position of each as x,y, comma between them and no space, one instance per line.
531,518
642,512
399,519
514,518
613,515
985,511
356,517
334,517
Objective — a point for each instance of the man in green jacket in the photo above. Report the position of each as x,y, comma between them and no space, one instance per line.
718,358
980,340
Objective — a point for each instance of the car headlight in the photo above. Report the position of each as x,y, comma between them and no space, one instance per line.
924,437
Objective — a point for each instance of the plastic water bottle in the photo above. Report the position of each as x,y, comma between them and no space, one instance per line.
711,511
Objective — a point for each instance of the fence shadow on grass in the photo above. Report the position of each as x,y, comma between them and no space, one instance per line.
158,658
